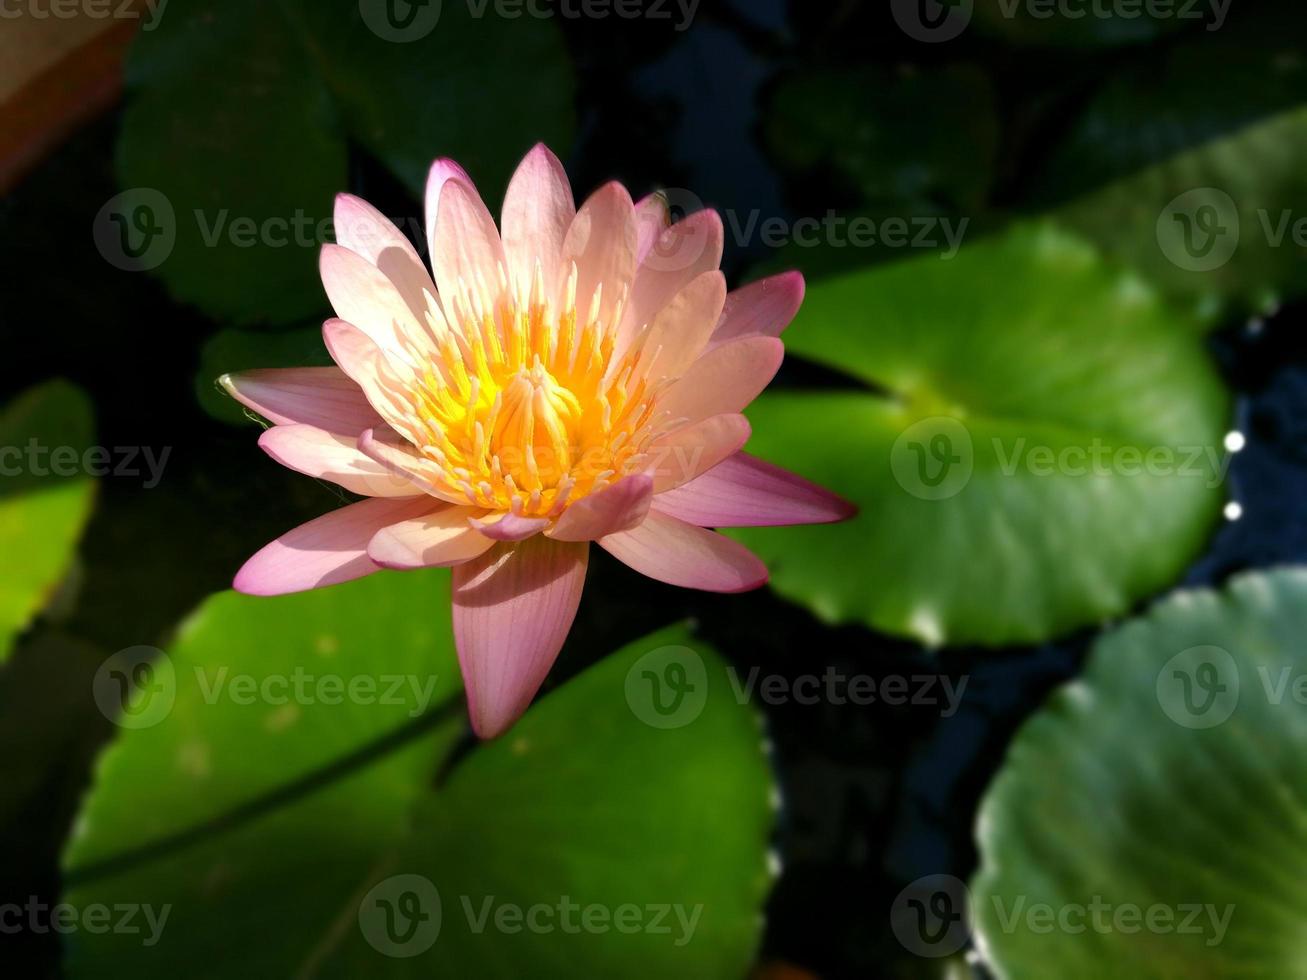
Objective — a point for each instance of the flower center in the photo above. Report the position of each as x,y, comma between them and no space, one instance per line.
525,409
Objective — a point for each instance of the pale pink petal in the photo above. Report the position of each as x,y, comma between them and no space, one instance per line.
439,538
677,336
681,254
677,553
652,216
321,396
442,170
602,242
364,363
363,295
330,456
466,252
764,308
363,229
538,210
726,379
744,491
617,507
692,450
509,527
396,454
325,551
513,607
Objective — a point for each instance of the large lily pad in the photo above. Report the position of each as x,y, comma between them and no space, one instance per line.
1042,447
375,870
234,140
1151,820
46,494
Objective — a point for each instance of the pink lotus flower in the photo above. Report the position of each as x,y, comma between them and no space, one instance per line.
579,378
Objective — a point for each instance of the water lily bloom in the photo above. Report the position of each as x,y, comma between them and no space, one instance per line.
572,376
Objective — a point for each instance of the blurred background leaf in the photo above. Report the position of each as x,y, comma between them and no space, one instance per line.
46,497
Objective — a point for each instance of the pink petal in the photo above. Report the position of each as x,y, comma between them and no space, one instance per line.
678,334
367,367
325,551
602,242
513,607
726,379
617,507
681,254
538,210
764,308
442,170
329,456
439,538
692,450
363,229
652,216
396,454
671,551
466,252
509,527
363,295
744,491
321,396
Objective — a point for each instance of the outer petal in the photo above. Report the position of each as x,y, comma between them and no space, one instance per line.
363,229
764,308
668,550
364,363
724,380
325,551
681,254
466,252
652,216
441,171
617,507
329,456
363,295
602,242
513,607
679,332
692,450
744,491
438,538
538,210
321,396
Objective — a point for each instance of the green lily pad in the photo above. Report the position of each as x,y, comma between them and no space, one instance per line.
234,140
1197,164
46,497
1150,820
1042,446
569,843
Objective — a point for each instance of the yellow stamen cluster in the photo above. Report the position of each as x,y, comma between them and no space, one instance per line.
524,409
